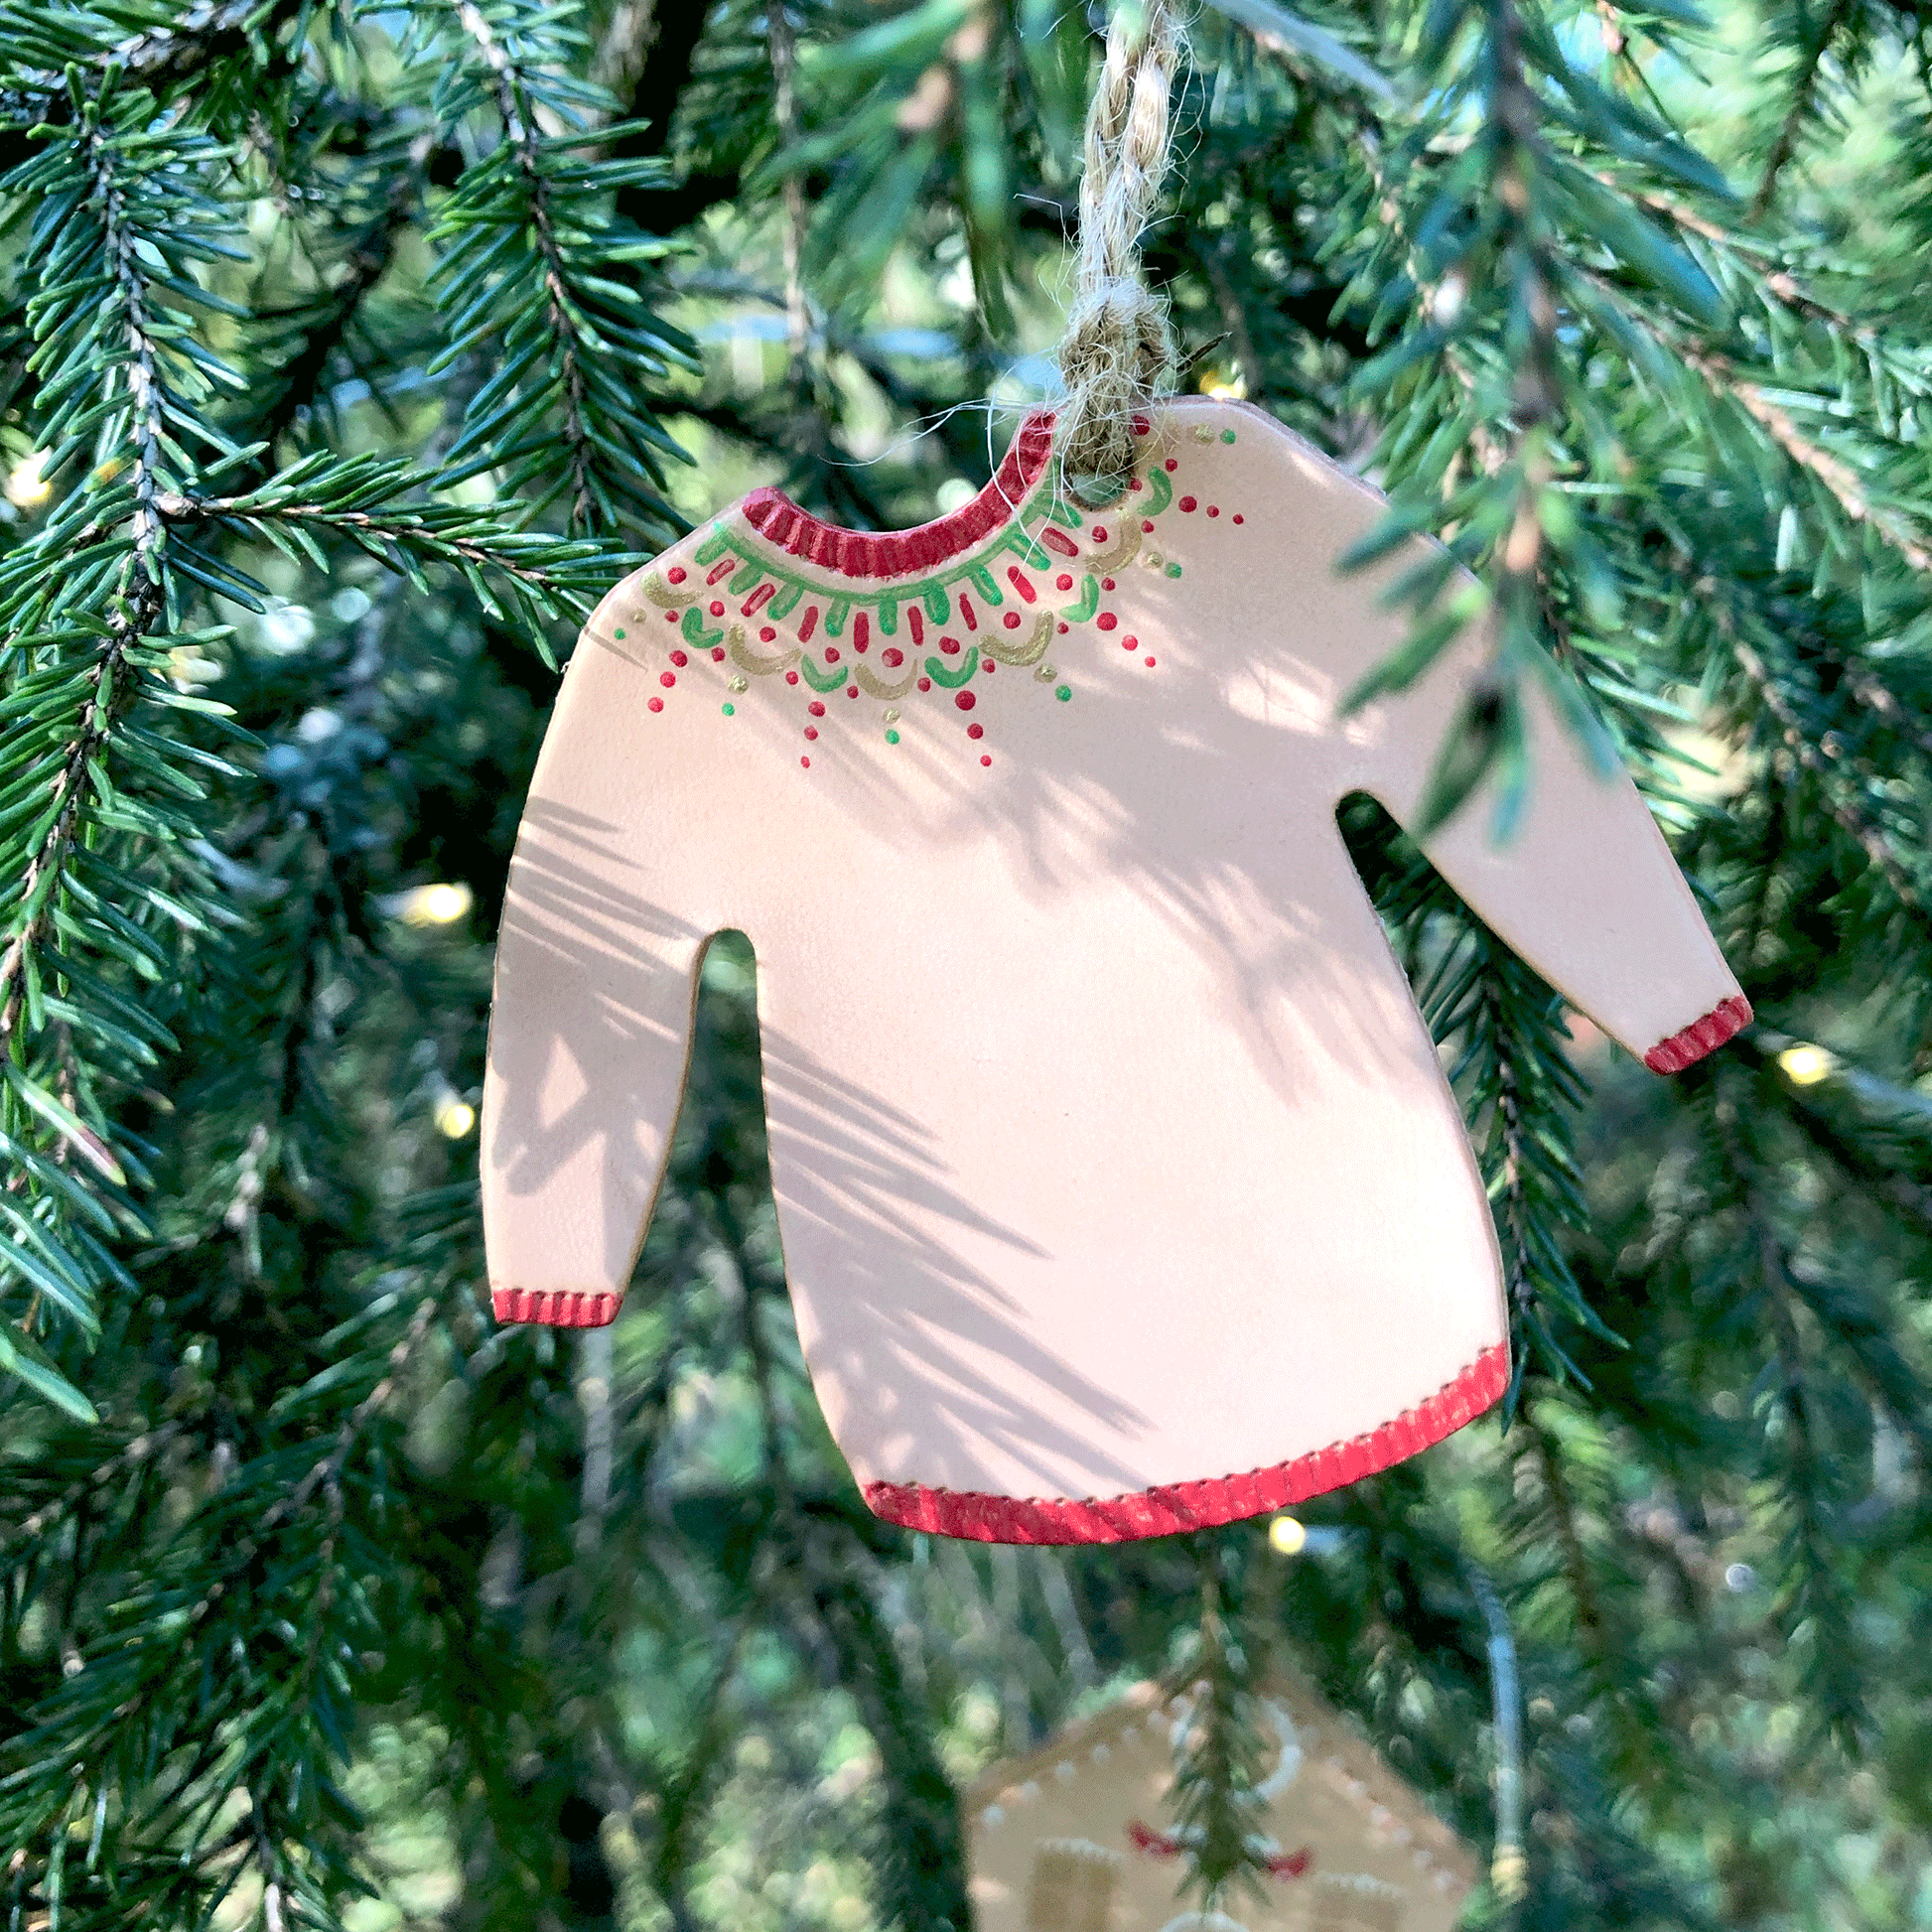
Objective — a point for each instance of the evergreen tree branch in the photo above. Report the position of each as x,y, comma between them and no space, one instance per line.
1817,35
1813,760
578,348
1218,1812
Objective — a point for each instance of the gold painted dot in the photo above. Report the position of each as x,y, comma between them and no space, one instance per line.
1044,675
1202,434
737,684
892,717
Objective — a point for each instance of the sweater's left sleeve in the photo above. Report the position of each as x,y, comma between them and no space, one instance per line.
1585,889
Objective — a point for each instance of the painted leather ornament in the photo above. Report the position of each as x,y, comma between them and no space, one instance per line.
1119,1188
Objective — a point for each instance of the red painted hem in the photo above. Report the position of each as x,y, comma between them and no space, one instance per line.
555,1308
1176,1506
899,553
1700,1038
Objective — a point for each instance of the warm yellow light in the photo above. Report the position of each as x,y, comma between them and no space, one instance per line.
440,904
1805,1066
1509,1873
189,666
1223,388
1286,1537
454,1117
26,486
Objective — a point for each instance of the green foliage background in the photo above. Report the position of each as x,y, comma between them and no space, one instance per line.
348,354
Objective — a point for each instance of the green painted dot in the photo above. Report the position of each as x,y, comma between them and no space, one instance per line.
1063,693
1174,570
731,711
1227,436
892,738
619,633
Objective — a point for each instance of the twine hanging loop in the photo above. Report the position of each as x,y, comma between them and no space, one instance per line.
1118,350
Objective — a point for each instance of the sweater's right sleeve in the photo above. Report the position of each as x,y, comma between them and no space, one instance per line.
590,1030
1585,889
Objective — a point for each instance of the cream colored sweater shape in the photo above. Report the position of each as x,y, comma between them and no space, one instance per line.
1119,1186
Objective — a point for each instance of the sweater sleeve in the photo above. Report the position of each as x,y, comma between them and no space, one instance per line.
1585,889
590,1032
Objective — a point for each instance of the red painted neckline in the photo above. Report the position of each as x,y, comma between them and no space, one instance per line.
1701,1037
901,553
1201,1505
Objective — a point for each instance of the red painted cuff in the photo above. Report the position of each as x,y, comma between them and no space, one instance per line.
556,1307
1177,1506
1700,1038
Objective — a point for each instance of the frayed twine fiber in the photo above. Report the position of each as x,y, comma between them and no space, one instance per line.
1118,350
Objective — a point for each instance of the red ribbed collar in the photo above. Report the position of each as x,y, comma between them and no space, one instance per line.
902,553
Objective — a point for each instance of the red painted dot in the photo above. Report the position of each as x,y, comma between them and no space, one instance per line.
1106,583
717,654
1144,525
658,704
831,653
1186,503
1099,533
988,666
1239,518
985,759
1141,425
950,645
816,708
1062,630
1129,642
675,573
717,609
1011,620
1213,509
1107,621
670,616
1134,482
975,731
765,633
1170,466
926,684
667,679
964,700
807,762
811,731
895,658
679,659
1150,663
851,690
791,677
1063,582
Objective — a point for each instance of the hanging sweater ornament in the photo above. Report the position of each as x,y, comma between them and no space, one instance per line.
1119,1186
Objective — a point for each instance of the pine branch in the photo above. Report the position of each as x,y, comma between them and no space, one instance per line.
1815,1600
1819,765
1817,36
547,576
577,349
1512,1072
1219,1811
88,595
1836,475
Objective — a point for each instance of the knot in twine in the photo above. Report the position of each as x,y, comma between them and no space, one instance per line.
1118,350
